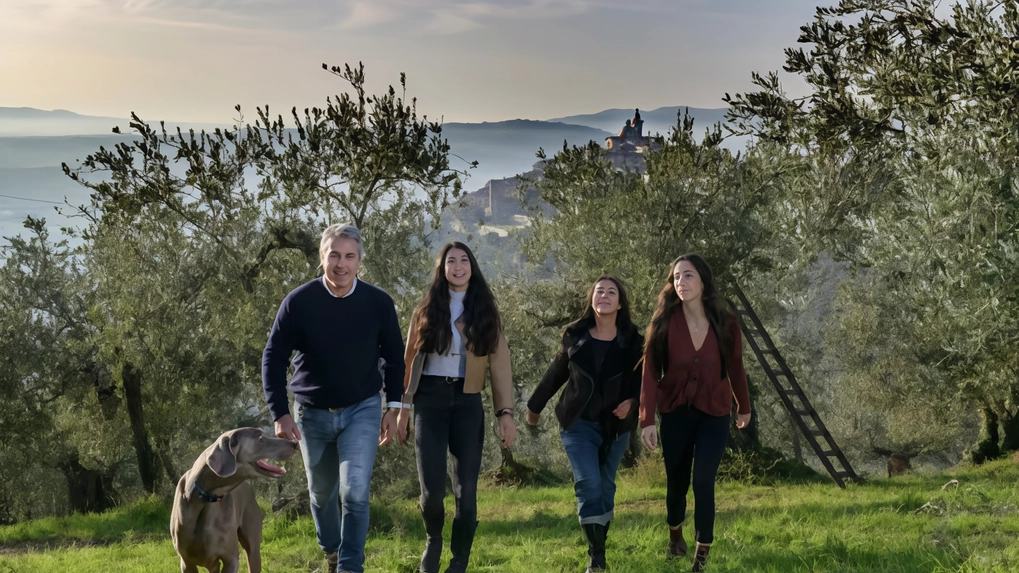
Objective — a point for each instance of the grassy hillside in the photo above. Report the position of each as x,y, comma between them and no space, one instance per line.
911,524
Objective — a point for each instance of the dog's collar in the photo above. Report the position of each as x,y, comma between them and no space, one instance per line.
206,495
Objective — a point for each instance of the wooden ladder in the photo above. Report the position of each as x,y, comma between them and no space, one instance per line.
792,395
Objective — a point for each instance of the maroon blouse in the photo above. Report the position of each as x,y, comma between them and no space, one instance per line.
694,377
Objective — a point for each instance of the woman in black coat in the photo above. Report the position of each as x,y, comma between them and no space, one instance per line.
597,409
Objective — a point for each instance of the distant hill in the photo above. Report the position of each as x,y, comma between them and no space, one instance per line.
660,120
497,203
36,191
34,142
31,180
507,148
31,113
51,151
502,149
27,121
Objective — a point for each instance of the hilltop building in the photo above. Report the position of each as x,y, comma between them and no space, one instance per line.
626,150
631,137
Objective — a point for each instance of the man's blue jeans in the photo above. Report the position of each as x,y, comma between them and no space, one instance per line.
594,465
339,451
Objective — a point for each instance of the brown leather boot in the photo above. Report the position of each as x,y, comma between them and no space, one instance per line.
331,562
677,545
700,556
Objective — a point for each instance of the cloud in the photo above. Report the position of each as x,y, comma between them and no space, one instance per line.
239,15
39,13
746,8
368,14
454,16
303,16
247,15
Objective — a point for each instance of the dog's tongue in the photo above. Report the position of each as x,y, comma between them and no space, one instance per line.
271,468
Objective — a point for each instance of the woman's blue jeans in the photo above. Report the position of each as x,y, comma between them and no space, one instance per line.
594,464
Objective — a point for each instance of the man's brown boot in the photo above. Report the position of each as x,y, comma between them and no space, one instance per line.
331,562
700,557
677,545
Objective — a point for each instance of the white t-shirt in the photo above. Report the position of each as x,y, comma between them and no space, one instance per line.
454,361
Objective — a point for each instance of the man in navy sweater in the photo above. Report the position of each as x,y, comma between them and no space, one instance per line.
346,334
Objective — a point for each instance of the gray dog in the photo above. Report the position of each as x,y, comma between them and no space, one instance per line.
214,507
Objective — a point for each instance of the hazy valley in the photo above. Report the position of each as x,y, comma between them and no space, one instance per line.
34,143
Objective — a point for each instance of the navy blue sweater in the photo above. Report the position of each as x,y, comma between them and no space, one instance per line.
339,342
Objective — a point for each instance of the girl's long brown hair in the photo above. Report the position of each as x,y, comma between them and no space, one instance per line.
624,324
720,317
481,317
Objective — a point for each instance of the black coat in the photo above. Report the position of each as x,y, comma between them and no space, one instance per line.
574,367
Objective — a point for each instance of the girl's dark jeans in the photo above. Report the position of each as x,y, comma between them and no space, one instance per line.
693,440
446,419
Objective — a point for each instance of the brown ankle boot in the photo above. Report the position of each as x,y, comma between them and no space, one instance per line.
677,545
700,556
331,562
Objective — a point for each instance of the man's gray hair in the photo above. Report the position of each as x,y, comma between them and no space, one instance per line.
341,231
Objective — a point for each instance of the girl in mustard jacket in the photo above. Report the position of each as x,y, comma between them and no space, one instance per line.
455,338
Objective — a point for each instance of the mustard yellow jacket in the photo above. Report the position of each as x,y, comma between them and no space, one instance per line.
497,363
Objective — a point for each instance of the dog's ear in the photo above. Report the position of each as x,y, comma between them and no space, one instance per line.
222,460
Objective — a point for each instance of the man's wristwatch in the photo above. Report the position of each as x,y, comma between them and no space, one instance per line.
503,412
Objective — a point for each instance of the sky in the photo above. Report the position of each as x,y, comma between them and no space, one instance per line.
466,60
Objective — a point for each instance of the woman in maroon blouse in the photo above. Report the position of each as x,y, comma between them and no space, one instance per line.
693,367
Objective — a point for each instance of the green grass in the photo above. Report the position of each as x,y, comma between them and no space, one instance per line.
907,524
